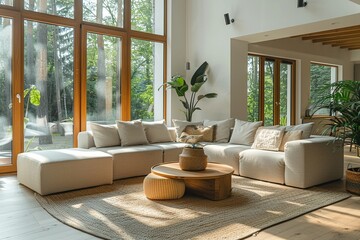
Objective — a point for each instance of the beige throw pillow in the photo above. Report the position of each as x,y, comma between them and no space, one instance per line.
268,138
105,135
157,132
244,132
200,133
305,128
131,133
180,126
290,136
223,129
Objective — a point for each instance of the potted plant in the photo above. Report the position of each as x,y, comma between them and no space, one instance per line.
343,101
178,83
192,157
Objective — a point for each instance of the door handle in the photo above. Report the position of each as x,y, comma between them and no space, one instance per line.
18,97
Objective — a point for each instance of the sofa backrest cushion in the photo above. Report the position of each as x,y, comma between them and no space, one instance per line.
268,138
244,132
223,129
157,132
290,136
105,135
131,133
305,128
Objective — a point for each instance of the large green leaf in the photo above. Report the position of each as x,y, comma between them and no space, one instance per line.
35,97
200,71
185,104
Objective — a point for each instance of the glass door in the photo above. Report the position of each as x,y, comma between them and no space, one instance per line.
10,96
271,90
6,136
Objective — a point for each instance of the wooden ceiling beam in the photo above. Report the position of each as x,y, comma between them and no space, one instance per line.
345,38
337,38
342,42
352,29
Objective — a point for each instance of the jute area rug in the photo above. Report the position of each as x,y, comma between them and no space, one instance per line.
121,211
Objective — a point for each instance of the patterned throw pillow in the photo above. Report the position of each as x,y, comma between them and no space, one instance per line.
268,139
181,125
193,133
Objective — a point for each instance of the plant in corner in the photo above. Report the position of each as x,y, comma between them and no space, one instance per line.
343,101
178,83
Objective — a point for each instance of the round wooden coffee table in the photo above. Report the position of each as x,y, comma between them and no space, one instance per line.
213,183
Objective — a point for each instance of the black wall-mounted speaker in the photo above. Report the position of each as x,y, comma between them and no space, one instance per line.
227,19
301,3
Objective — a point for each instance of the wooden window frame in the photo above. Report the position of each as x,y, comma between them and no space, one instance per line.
19,14
337,79
276,108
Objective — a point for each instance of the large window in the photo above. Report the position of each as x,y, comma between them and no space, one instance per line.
65,63
104,12
321,76
146,78
103,78
147,16
6,2
64,8
48,86
271,87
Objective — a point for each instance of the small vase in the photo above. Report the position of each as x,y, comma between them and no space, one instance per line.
193,159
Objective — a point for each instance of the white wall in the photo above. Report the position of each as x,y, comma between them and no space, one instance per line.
209,39
176,53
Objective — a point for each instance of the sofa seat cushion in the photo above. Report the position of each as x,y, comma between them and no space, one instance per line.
59,170
263,165
225,153
171,150
132,161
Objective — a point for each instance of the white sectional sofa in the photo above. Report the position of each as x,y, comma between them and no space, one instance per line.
303,163
130,149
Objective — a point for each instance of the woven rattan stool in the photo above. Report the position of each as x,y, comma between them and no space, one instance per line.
161,188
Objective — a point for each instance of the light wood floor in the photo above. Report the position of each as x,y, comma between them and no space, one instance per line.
21,217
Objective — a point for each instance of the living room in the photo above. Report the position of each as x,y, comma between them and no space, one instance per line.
195,32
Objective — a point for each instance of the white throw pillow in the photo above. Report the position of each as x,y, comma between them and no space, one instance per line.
181,125
105,135
244,132
157,132
131,133
268,138
223,129
290,136
305,128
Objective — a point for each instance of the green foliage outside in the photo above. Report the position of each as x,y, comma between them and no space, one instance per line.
253,82
320,82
